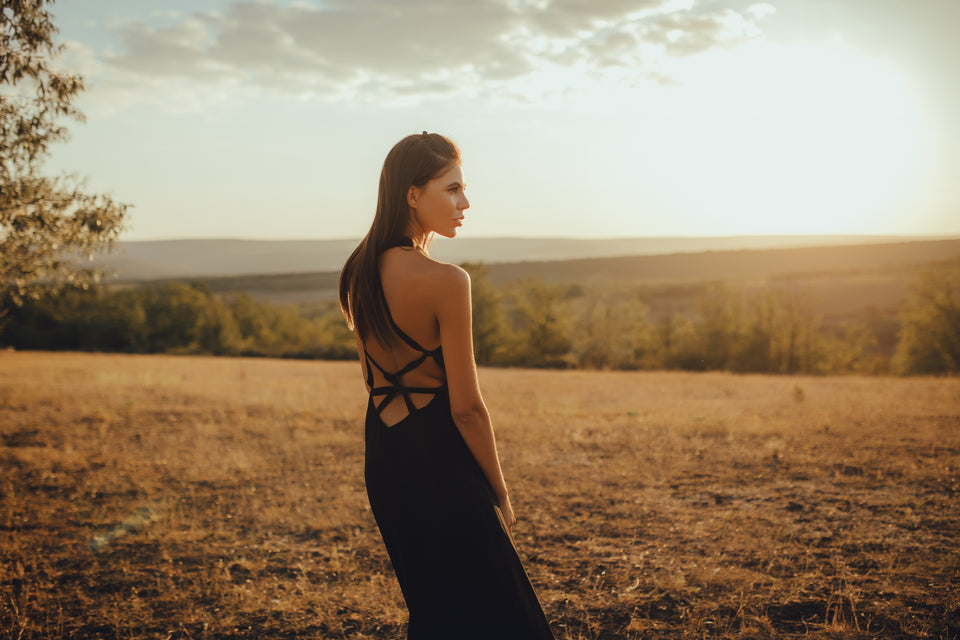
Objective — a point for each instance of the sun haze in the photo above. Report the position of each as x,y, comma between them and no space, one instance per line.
263,120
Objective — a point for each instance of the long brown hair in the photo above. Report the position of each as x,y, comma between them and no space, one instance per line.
413,161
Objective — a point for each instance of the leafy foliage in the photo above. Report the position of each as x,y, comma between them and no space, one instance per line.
930,324
45,223
528,323
612,332
487,314
175,318
538,334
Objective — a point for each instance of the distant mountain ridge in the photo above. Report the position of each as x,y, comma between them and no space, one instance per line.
740,265
157,259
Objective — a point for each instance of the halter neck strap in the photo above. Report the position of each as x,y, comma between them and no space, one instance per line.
402,241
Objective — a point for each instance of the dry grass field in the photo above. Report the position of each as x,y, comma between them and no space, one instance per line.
200,498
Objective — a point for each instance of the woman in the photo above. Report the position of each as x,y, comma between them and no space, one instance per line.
432,471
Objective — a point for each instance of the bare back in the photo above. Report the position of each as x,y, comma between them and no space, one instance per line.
406,375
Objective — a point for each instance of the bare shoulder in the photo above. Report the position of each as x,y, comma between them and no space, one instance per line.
423,280
456,276
450,280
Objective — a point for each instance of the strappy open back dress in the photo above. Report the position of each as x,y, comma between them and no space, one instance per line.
453,556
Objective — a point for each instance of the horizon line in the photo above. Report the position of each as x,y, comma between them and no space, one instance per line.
914,236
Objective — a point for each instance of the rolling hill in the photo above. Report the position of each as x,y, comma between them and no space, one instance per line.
150,260
863,283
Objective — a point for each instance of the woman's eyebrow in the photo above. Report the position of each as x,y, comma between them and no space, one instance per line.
457,183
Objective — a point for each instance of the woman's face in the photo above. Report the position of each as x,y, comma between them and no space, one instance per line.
439,205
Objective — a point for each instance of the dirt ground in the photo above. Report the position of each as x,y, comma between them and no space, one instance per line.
189,497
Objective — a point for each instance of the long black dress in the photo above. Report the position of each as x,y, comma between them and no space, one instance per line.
455,561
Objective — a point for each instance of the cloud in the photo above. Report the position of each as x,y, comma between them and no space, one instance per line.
761,10
686,33
169,50
387,48
565,18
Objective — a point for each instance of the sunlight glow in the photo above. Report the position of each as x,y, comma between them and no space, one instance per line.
762,138
778,139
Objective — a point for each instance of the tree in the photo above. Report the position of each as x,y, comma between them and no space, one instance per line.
930,324
176,312
780,334
540,336
612,331
847,350
488,320
45,223
679,343
719,325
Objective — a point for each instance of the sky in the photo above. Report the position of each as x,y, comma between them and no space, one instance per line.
576,118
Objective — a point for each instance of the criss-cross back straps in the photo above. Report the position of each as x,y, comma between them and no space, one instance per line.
394,379
395,385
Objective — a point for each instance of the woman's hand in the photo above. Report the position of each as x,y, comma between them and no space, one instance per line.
507,510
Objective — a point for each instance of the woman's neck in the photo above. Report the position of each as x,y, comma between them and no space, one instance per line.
421,239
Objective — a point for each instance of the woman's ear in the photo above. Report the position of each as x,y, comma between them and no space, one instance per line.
413,194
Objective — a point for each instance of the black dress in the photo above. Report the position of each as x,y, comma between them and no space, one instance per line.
453,556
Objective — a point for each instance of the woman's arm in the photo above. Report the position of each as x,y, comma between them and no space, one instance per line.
466,404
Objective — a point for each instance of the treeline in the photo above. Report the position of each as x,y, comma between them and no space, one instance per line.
185,318
770,330
530,323
527,323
